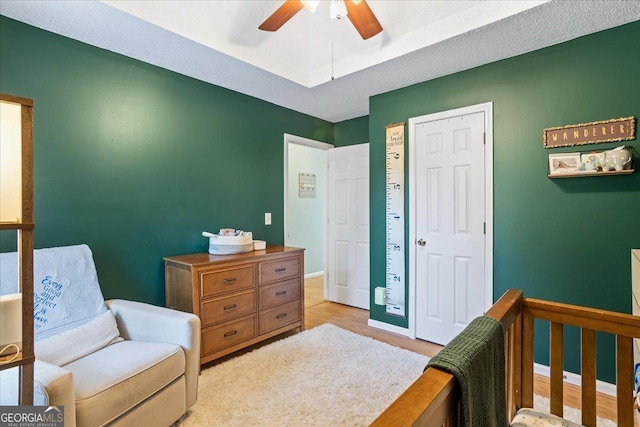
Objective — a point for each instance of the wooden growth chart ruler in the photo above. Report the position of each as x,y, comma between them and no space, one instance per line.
395,219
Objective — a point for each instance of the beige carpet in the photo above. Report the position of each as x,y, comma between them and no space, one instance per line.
325,376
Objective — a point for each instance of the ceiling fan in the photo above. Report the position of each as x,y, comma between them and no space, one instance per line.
358,12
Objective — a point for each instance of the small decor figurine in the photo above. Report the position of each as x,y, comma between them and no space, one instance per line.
617,159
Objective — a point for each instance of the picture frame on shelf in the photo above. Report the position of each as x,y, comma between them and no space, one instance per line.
593,161
564,163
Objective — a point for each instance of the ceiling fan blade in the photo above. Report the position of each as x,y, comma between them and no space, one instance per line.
363,18
282,15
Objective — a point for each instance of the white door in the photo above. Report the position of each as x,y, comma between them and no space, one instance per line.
449,225
348,225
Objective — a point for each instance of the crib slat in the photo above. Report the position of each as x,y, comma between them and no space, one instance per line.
516,357
527,359
624,380
514,367
510,368
588,374
508,348
556,367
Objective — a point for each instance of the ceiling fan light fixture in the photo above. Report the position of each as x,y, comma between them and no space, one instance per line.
311,5
358,12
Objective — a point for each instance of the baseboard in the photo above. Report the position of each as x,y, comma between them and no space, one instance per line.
316,274
571,378
387,327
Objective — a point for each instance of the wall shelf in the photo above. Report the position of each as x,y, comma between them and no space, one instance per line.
20,360
590,173
17,226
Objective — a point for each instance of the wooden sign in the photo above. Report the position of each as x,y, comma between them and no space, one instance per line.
590,133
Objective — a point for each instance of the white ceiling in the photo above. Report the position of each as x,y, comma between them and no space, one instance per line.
219,42
301,50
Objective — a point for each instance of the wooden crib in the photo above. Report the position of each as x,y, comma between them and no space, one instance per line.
433,399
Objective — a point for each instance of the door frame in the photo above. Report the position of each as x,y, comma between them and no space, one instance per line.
487,108
299,140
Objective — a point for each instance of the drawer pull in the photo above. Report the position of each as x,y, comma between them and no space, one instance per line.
281,293
280,270
281,316
230,307
229,281
230,334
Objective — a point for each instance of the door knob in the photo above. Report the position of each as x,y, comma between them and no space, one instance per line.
421,242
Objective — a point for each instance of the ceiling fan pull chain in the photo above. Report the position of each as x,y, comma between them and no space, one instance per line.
332,49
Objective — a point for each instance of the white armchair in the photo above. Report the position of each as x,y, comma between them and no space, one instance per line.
142,322
131,364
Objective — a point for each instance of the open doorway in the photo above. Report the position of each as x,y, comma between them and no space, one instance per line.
305,209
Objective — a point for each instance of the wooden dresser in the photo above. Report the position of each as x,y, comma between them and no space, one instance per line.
241,299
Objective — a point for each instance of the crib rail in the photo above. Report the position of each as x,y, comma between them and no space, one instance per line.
433,399
625,327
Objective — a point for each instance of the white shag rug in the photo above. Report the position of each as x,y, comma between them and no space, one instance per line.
325,376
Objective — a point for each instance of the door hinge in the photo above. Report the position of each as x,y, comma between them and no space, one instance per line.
484,227
484,138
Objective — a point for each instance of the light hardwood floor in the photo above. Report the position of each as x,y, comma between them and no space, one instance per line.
319,311
313,291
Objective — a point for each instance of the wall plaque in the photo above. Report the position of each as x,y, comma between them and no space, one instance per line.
590,133
307,187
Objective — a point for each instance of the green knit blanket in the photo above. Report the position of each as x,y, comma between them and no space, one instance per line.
476,358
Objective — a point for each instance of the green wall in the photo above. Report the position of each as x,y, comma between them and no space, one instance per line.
136,161
350,132
565,240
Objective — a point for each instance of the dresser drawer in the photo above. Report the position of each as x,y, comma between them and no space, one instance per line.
279,293
229,334
271,271
280,316
227,280
227,308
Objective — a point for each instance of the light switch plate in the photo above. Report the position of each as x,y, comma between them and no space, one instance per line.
267,218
